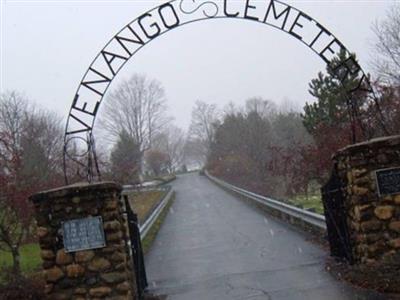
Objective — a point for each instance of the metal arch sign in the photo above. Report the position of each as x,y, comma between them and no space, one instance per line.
173,14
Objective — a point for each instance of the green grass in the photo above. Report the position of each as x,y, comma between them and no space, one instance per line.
30,258
313,201
152,233
143,203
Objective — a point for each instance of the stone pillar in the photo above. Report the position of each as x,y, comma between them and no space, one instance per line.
373,210
99,272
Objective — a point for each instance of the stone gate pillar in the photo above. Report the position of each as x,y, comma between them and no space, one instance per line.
82,235
371,172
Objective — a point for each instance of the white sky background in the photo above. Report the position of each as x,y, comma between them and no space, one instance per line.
46,46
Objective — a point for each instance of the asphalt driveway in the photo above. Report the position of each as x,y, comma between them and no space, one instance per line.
214,246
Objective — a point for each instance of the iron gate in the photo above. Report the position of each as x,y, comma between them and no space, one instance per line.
136,247
333,197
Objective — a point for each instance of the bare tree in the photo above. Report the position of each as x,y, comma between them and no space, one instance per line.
386,59
12,229
42,141
157,161
171,142
13,110
138,107
202,128
262,107
230,109
30,153
193,153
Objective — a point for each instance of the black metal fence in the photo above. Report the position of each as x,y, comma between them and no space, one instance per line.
333,198
137,252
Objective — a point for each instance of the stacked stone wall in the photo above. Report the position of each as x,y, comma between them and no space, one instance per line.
373,220
89,274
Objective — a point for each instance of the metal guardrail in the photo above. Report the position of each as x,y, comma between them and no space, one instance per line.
137,233
145,227
310,218
132,188
157,184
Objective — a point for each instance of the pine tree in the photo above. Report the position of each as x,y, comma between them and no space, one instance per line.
332,108
125,159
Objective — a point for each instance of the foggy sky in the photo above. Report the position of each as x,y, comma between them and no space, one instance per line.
46,46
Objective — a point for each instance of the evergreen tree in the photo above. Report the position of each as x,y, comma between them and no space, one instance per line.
331,91
125,159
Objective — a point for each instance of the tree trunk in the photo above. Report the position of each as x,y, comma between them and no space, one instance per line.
16,260
306,191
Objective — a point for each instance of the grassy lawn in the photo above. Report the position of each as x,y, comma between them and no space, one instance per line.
313,201
143,202
30,258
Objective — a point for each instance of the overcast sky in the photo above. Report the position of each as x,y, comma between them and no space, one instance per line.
46,46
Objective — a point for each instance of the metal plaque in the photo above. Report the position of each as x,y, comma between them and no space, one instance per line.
83,234
388,181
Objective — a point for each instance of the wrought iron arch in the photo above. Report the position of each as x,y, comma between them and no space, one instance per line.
176,13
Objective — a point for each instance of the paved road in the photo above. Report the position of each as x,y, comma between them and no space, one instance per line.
213,246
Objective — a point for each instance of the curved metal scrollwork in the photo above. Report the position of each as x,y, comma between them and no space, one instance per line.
196,5
173,14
